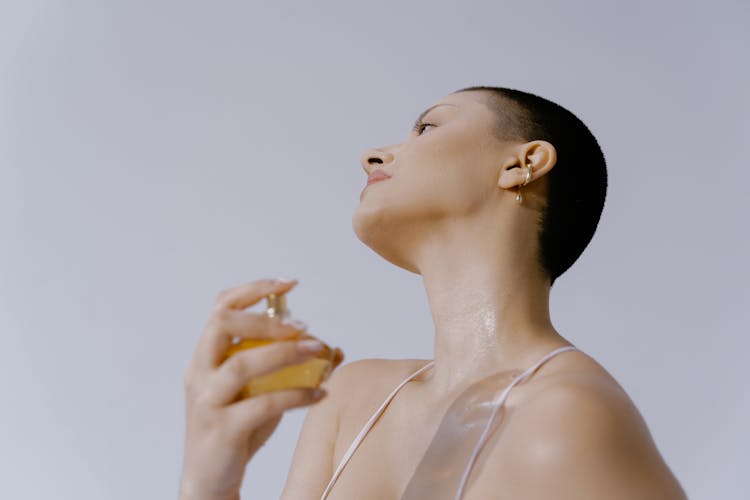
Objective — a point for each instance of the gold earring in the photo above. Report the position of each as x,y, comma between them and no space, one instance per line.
519,198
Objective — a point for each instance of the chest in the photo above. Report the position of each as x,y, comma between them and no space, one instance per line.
419,447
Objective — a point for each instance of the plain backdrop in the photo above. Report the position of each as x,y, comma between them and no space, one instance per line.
153,153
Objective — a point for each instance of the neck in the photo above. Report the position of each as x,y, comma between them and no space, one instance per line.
489,304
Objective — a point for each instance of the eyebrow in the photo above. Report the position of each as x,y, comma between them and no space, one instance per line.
424,113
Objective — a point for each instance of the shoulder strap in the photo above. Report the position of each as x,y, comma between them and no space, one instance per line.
497,404
355,444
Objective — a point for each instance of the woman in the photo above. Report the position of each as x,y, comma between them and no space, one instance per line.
493,195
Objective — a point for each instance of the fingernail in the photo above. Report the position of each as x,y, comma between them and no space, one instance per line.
285,279
318,394
309,345
294,323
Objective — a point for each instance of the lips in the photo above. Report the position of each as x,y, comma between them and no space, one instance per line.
377,175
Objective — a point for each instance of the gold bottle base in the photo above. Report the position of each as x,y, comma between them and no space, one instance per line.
308,374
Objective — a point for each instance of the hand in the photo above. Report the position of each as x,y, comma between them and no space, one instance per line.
223,431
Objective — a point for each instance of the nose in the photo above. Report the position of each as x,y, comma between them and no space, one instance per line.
373,157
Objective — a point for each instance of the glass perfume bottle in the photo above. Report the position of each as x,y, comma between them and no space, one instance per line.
308,374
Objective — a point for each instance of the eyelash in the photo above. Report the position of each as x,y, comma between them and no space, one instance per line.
418,127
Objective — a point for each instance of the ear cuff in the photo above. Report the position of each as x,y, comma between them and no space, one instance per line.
519,198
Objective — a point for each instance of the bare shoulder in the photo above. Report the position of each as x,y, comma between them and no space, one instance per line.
577,433
360,386
379,365
359,379
349,386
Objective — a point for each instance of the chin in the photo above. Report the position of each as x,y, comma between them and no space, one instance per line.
378,228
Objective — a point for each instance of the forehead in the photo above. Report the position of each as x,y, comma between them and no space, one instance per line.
469,102
468,99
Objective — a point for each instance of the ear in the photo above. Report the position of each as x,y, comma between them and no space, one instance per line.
541,155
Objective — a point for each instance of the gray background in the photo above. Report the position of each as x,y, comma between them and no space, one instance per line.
154,153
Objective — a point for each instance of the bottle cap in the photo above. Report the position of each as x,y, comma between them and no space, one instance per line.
276,305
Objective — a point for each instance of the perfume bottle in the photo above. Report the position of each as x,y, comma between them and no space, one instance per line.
308,374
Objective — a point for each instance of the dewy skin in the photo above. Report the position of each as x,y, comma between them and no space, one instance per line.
444,471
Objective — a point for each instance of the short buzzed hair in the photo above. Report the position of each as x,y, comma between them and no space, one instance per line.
576,185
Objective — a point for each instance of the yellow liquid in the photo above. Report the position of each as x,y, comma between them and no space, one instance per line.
308,374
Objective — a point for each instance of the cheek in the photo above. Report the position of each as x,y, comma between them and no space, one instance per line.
446,174
443,189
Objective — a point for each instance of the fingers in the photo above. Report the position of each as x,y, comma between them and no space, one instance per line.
227,321
247,294
338,357
225,383
249,325
250,413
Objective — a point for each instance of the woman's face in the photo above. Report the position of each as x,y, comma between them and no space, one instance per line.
445,170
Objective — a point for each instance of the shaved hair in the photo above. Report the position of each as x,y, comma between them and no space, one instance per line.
577,184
